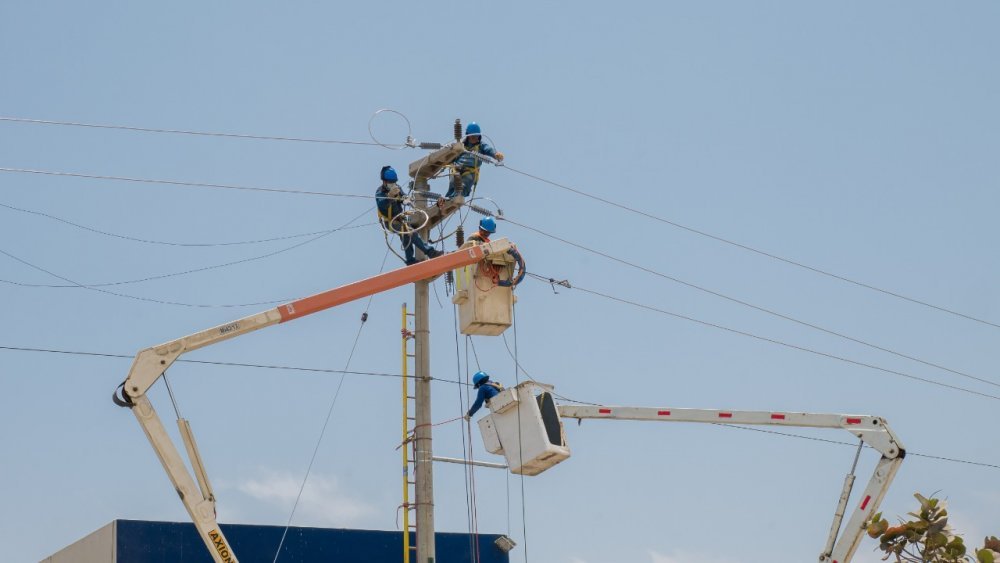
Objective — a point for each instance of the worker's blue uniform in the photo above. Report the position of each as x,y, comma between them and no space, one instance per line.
467,166
487,391
389,207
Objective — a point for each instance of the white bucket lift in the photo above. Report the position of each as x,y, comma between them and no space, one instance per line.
524,427
485,302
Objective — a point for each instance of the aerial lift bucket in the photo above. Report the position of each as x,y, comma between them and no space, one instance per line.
524,427
484,297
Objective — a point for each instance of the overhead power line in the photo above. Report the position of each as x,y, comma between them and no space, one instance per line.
207,268
855,445
221,363
191,132
771,340
126,295
754,250
571,189
163,242
755,307
398,375
180,183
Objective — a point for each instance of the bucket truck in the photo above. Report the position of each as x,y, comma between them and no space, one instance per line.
525,426
149,364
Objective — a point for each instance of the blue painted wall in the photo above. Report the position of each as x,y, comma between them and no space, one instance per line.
140,541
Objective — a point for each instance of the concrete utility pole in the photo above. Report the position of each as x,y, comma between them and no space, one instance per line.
424,466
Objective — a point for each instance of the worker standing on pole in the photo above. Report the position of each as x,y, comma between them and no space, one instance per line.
467,164
486,390
389,200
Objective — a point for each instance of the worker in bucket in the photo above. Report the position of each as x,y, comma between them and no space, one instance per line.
486,390
389,200
467,164
487,226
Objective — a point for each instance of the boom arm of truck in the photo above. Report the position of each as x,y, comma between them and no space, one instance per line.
151,363
873,432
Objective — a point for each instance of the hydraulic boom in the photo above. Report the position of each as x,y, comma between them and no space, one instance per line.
871,430
151,363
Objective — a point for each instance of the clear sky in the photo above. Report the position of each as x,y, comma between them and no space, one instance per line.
858,138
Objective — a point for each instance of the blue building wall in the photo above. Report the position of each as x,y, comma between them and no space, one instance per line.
139,541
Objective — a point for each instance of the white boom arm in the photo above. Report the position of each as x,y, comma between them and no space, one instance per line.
872,431
151,363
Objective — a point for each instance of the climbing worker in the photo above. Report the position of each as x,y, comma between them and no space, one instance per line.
487,390
467,164
487,226
389,200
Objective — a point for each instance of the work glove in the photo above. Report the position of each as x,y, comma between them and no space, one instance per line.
500,156
395,191
467,418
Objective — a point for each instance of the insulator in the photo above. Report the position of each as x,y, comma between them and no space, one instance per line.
364,316
458,129
459,236
480,210
449,278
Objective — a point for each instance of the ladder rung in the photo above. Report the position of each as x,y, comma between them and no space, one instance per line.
411,397
412,482
410,418
411,355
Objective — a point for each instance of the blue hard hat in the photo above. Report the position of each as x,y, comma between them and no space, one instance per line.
479,378
473,129
389,174
488,224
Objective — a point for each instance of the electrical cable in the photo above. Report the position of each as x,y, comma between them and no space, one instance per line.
755,250
520,441
516,171
752,306
775,341
228,364
451,381
187,132
166,243
471,469
788,434
841,443
326,423
181,183
128,296
345,226
465,445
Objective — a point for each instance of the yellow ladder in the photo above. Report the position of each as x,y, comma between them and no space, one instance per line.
409,422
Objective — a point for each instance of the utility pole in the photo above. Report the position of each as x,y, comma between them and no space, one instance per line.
421,171
424,466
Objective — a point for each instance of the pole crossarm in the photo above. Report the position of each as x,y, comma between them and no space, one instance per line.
871,430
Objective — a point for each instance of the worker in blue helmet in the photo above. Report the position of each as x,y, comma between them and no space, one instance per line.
389,201
486,390
487,226
467,164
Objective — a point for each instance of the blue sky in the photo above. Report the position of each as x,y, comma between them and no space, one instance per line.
856,138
